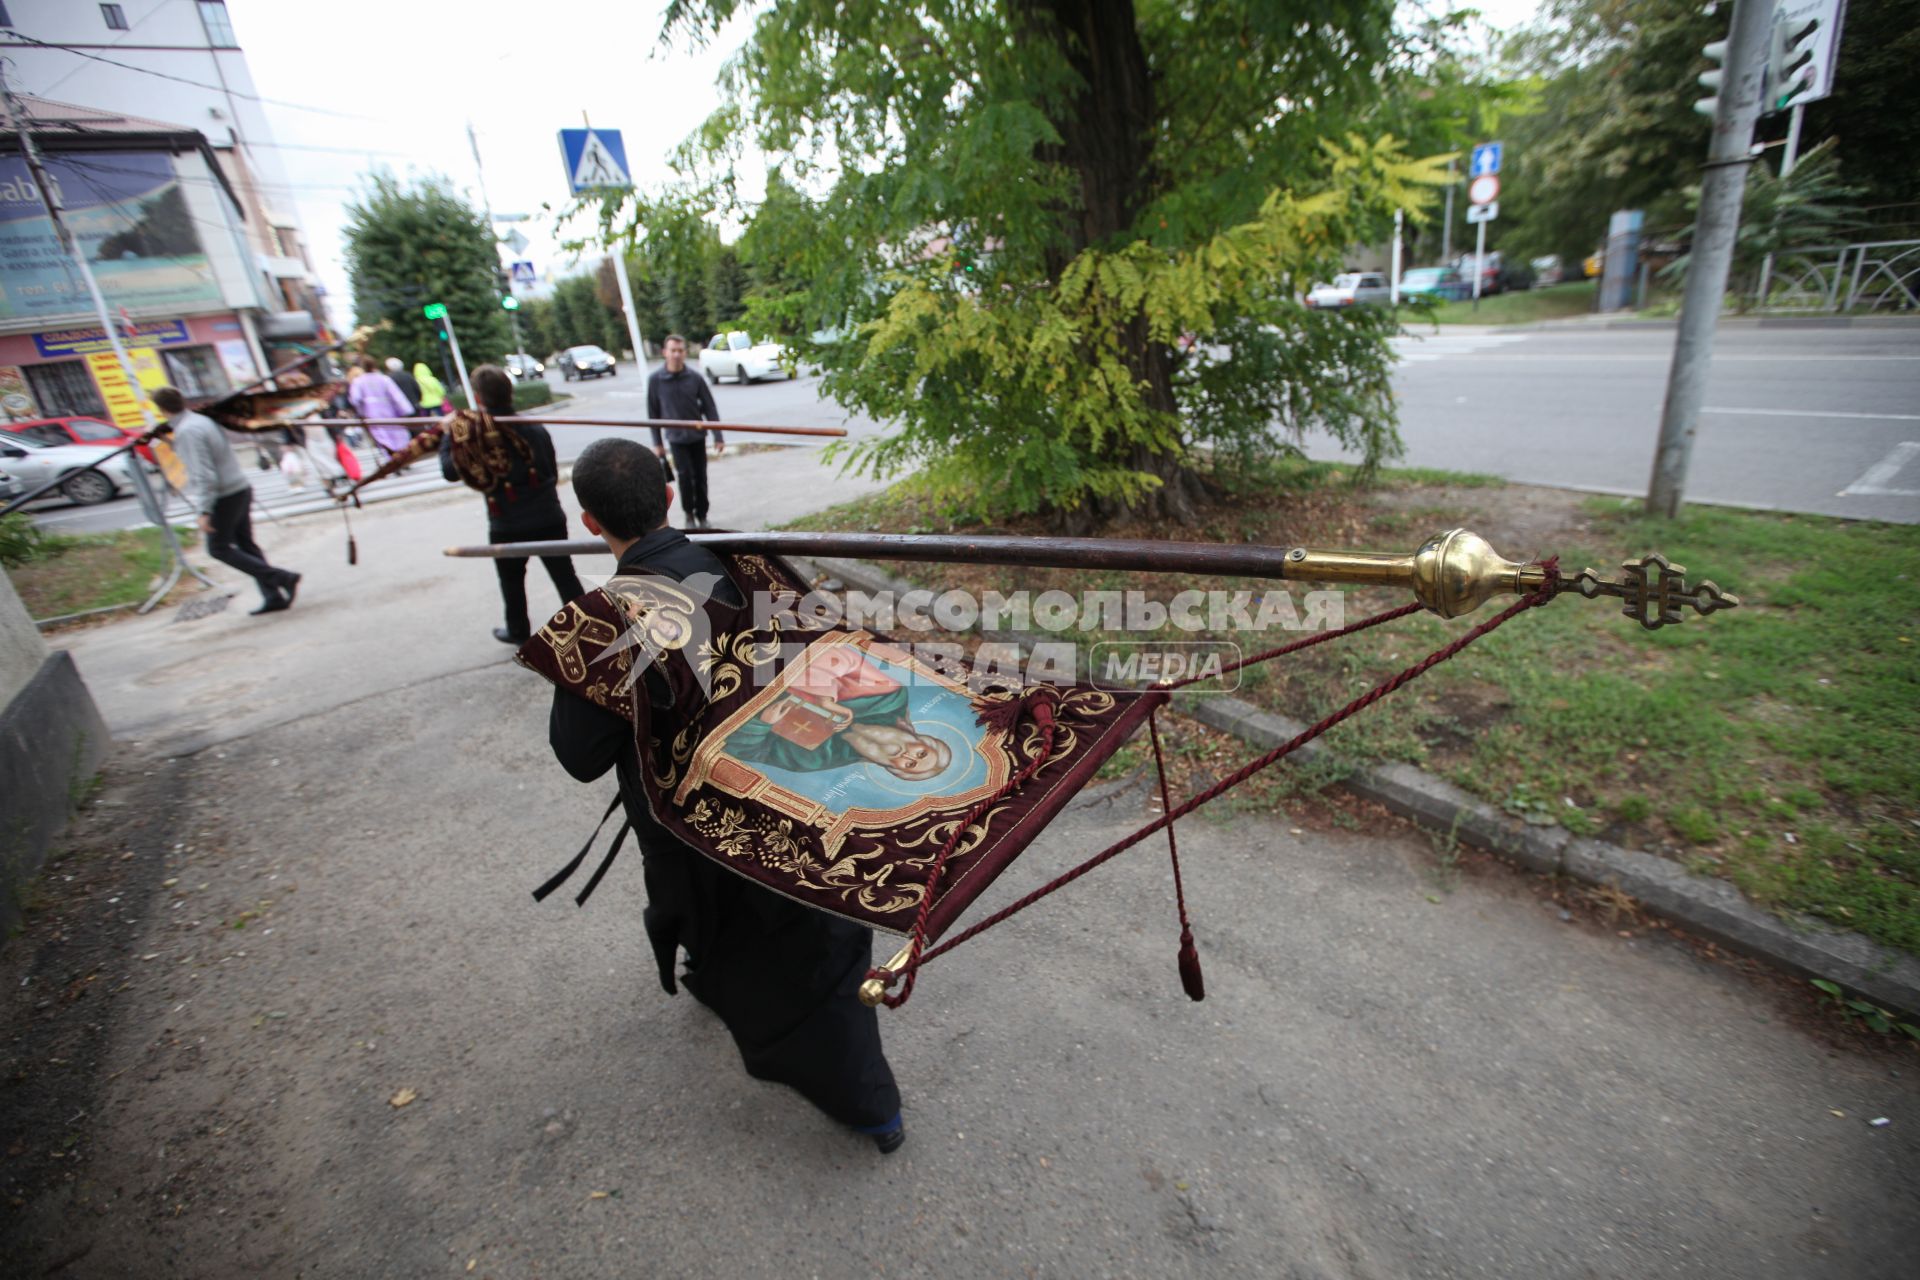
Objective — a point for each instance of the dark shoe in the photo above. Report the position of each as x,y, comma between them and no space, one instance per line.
889,1137
291,587
272,604
505,636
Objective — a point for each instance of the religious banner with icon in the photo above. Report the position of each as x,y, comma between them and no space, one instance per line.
832,765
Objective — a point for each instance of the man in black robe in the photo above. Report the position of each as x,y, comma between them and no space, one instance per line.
783,977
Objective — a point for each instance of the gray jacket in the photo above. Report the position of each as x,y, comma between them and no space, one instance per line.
213,471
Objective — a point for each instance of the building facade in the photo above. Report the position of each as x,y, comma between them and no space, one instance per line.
153,133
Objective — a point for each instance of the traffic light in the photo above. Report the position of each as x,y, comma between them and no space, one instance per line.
435,311
1710,79
443,335
1790,69
510,303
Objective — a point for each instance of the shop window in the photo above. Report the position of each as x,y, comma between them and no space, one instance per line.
195,371
64,388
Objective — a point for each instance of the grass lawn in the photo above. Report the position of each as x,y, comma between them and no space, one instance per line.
1522,307
1776,745
58,574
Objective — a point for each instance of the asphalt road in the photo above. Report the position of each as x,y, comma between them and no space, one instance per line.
1819,420
1823,420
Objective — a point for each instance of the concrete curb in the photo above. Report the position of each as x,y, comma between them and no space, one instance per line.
1713,909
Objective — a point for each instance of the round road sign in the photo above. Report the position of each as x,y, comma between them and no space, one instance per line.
1484,189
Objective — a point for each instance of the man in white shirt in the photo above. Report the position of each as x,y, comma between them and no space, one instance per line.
218,489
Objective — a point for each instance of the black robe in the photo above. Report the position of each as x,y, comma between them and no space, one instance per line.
783,977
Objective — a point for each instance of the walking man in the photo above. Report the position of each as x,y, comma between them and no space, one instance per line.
678,392
218,489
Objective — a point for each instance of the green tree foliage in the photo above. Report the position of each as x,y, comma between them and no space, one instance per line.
1810,207
408,246
1611,125
1019,207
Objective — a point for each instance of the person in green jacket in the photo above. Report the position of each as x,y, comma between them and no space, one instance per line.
433,396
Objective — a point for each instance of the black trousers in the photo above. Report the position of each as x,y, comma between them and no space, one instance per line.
231,542
690,465
513,574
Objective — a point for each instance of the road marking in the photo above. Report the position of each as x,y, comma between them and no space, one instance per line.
1820,413
1874,482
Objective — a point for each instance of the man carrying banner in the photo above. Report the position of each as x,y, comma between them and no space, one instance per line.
782,976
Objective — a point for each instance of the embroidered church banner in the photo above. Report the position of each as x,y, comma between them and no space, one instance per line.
829,764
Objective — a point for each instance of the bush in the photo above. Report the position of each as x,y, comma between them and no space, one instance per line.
525,396
20,540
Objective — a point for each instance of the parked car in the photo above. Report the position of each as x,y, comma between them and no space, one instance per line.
1442,284
736,355
34,464
1548,271
585,362
1354,289
523,367
1493,271
78,430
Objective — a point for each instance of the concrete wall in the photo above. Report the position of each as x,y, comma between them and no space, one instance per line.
52,740
21,648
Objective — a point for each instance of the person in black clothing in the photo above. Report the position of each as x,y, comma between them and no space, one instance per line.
678,392
783,977
522,504
409,386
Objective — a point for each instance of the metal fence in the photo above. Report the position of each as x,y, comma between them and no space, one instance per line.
1881,275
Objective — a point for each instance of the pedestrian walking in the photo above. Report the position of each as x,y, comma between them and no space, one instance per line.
218,489
514,465
374,395
677,392
433,396
409,387
784,977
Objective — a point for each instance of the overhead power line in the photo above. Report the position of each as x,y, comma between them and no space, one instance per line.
19,38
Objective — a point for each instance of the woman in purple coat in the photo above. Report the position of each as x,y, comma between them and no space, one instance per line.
375,395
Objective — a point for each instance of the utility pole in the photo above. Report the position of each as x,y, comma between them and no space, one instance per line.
1714,229
618,261
486,206
50,199
1393,281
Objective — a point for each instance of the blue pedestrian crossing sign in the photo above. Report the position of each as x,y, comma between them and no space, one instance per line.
1486,160
596,160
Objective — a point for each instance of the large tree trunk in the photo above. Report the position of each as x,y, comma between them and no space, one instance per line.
1106,133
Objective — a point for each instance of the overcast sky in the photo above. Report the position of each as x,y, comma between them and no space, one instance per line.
412,76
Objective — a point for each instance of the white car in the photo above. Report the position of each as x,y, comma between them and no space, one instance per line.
1354,289
34,464
736,355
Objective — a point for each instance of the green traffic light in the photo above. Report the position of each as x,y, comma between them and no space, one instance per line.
435,311
510,302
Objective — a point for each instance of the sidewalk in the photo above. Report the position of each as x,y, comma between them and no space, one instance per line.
328,1032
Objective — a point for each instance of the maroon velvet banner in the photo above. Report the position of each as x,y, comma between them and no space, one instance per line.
829,764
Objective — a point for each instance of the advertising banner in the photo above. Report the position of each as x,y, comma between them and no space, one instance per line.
130,216
16,397
85,339
122,398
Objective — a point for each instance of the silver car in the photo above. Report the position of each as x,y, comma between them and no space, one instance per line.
35,464
1353,289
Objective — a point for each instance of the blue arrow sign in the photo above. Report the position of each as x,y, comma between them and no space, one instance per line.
1486,160
595,159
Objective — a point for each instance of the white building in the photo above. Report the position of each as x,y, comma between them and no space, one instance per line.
118,90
